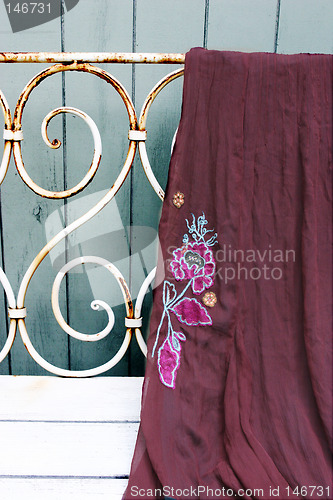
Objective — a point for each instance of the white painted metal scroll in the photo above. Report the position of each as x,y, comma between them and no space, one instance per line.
13,135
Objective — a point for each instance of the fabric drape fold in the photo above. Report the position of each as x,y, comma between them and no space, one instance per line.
237,396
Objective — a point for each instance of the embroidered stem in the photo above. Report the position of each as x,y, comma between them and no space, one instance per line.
176,299
158,333
170,329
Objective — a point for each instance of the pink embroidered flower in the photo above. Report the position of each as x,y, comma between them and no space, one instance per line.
194,262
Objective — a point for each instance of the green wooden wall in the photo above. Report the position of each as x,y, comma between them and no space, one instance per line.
26,220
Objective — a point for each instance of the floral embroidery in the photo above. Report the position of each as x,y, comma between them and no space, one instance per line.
193,262
196,263
178,199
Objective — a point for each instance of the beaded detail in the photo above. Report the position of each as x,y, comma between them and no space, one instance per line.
209,299
178,199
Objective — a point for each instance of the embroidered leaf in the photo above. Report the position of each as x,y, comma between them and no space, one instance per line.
168,363
176,337
181,336
169,292
175,343
191,312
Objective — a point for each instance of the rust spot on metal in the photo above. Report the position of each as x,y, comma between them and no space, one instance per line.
129,304
95,57
6,111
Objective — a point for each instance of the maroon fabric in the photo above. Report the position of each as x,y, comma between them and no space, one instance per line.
251,406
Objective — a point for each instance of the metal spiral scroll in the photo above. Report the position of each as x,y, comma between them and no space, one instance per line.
137,133
81,220
87,68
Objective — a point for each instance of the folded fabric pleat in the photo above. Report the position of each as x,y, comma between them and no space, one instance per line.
237,395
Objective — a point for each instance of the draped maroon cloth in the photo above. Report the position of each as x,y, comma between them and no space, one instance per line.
238,386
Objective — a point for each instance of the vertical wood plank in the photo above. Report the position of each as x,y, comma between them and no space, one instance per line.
306,26
24,213
102,25
172,27
243,26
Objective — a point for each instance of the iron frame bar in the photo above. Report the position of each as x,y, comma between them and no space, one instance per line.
92,57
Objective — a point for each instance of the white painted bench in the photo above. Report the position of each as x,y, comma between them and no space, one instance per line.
64,438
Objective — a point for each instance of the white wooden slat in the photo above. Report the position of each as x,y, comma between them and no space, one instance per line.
67,449
64,399
64,489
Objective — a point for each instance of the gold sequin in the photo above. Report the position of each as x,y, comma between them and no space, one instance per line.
178,199
209,299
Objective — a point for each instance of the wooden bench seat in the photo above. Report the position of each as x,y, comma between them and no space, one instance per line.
67,438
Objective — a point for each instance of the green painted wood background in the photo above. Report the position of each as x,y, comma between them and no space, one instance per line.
26,220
